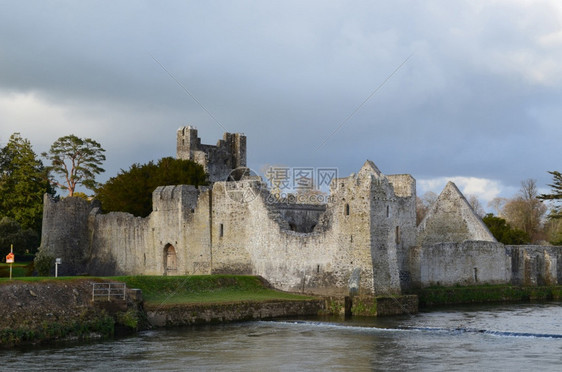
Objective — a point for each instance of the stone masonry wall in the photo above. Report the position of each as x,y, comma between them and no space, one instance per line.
255,241
351,244
535,265
467,263
65,233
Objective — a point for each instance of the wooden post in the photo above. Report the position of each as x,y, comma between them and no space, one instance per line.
11,251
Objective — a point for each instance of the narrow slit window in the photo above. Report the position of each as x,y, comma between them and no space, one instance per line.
221,230
347,209
387,211
397,234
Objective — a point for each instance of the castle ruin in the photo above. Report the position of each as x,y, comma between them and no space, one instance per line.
364,240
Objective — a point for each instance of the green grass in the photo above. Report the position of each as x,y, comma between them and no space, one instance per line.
18,269
203,289
188,289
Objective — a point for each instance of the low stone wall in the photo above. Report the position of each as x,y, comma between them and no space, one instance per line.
397,305
56,310
372,306
190,314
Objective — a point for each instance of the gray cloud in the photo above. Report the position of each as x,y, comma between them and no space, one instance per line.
478,98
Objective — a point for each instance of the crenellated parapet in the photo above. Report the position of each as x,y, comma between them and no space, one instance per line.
175,198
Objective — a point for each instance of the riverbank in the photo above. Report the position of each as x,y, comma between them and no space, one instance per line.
171,301
44,310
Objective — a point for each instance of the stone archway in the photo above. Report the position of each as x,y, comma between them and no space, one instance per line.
170,260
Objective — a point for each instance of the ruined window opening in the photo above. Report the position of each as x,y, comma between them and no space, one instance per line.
397,234
183,142
347,209
293,227
387,211
221,230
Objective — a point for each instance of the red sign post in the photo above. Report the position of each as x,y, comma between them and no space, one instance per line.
10,259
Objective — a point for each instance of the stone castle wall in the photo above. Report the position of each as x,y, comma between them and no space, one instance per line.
364,241
535,265
65,233
350,243
466,263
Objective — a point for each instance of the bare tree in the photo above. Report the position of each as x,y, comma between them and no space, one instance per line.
497,204
526,211
423,204
476,206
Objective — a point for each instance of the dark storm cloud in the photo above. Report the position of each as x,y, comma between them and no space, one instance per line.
478,98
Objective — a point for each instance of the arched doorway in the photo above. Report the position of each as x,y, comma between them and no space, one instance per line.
170,260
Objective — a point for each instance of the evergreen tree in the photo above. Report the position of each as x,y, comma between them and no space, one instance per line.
131,191
555,195
503,232
23,240
23,182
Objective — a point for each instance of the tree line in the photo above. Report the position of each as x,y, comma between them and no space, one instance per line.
73,162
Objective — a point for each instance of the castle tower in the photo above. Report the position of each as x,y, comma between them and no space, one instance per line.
188,141
218,161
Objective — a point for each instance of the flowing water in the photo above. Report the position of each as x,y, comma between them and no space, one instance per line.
483,338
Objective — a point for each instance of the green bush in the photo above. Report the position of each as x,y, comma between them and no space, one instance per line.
44,264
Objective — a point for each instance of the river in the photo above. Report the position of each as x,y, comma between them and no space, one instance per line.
492,337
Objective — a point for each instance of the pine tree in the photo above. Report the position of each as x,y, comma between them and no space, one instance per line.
76,161
555,195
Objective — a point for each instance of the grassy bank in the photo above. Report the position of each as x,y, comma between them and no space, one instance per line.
203,289
18,269
436,296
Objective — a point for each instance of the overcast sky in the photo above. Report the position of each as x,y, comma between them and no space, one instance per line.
463,90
